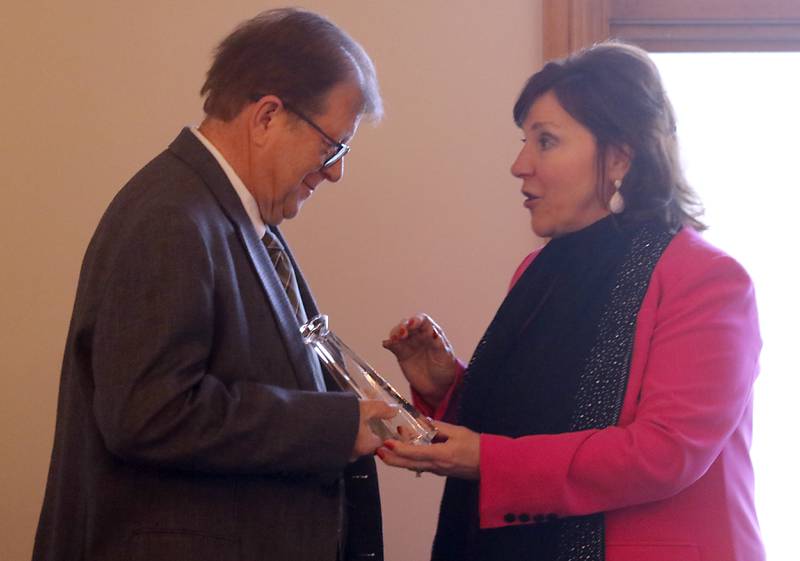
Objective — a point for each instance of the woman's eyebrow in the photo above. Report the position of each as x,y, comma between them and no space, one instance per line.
542,124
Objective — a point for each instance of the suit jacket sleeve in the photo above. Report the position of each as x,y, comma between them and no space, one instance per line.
155,397
702,351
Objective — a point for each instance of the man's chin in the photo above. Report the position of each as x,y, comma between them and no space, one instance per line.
289,213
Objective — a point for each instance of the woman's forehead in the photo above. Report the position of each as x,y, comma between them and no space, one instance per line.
547,111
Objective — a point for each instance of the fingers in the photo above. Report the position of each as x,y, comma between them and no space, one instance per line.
389,457
377,409
414,452
417,326
423,324
370,413
433,328
457,456
366,443
408,337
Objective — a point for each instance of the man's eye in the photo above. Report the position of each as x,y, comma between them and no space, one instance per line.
329,150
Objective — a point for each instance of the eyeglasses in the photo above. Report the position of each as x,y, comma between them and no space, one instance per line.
338,149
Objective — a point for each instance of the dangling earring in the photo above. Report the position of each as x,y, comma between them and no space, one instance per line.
616,204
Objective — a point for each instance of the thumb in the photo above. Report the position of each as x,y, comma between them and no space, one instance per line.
392,346
446,430
388,411
380,409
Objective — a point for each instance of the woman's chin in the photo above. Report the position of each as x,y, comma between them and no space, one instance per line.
540,229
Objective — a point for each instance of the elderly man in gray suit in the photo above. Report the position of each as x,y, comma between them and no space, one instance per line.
193,423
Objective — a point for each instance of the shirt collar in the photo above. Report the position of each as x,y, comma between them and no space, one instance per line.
248,201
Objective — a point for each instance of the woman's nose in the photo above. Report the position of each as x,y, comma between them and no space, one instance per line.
523,164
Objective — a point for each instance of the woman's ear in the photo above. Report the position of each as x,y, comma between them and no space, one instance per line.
618,161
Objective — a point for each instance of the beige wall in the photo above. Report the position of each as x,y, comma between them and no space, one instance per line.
428,217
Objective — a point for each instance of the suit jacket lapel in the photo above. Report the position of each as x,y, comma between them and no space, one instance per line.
189,149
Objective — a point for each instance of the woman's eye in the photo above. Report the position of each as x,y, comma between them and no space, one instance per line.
545,141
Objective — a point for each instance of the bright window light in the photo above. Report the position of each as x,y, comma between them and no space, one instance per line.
739,128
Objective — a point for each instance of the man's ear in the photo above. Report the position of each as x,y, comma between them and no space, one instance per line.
618,161
262,117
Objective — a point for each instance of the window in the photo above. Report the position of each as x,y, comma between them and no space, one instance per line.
739,149
742,166
673,26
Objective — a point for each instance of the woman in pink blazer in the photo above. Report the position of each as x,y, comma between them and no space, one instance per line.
607,411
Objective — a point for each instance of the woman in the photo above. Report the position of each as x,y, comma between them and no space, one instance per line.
606,412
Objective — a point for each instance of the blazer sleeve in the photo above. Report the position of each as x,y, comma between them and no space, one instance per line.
701,363
156,400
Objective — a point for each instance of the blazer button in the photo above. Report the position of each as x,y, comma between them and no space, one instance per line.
510,518
524,518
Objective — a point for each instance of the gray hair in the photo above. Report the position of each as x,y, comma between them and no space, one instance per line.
293,54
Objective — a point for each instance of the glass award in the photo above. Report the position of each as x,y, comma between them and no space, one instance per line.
352,373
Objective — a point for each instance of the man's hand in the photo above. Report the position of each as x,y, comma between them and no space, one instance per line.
366,440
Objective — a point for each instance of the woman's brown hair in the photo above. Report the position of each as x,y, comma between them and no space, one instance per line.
615,91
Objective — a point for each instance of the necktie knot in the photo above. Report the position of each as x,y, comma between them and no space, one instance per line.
272,242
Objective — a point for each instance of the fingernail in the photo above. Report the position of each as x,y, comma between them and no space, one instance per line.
389,444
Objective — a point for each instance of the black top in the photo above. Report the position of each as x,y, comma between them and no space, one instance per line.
529,372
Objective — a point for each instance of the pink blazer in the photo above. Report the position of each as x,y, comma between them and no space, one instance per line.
674,476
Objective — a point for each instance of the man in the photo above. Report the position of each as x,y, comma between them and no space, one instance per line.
193,423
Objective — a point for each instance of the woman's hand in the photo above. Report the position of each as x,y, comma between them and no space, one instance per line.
456,452
424,355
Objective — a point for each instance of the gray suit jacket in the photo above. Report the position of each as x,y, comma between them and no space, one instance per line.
188,426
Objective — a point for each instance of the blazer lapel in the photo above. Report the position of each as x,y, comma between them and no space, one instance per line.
189,149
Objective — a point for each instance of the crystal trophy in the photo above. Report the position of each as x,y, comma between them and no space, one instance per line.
353,374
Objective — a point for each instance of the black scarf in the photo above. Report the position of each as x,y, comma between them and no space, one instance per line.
554,359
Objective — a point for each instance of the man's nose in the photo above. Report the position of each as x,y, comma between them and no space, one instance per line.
335,172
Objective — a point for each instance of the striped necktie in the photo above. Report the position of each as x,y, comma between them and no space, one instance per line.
280,259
